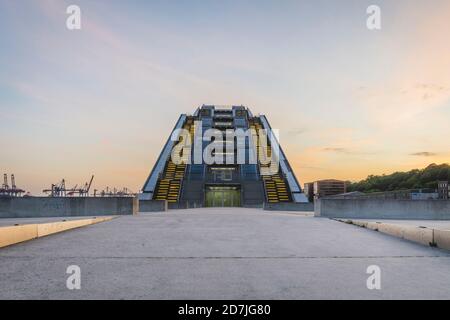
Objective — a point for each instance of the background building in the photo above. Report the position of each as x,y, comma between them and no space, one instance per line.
324,188
309,191
329,187
443,190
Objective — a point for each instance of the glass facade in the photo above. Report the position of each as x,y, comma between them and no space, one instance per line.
221,196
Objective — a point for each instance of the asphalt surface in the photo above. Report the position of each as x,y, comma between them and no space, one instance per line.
223,254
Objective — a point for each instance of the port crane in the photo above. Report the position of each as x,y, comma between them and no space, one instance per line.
60,190
7,191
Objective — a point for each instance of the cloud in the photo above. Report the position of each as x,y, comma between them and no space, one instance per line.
346,151
396,104
424,154
311,167
337,150
416,84
342,150
296,132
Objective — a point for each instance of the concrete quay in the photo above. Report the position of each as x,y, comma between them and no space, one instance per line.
215,253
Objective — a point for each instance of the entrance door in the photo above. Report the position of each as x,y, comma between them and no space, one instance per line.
223,197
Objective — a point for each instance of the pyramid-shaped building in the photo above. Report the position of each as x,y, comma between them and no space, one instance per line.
222,157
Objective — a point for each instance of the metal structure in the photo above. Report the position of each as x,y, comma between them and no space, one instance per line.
114,192
193,183
7,191
59,189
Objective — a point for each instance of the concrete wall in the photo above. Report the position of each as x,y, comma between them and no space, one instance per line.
192,194
252,194
383,209
153,205
289,206
255,205
66,207
185,205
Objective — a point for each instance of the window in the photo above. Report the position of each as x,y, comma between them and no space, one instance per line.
222,173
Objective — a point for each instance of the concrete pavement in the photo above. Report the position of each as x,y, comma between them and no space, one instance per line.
223,254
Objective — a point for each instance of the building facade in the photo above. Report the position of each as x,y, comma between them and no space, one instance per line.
329,187
309,191
222,157
443,190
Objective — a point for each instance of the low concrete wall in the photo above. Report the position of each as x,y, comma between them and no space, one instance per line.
184,205
423,235
289,206
152,205
254,206
442,239
383,209
16,234
66,207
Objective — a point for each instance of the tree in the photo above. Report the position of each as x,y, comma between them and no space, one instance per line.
414,179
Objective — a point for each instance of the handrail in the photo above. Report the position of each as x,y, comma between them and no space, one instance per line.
152,180
296,191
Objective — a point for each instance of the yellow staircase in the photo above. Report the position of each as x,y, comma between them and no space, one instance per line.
275,184
276,188
169,185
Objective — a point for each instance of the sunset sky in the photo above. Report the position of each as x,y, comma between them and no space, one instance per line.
102,100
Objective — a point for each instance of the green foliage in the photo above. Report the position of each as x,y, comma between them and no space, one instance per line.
414,179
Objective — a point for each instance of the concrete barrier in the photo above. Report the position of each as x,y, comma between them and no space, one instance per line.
442,238
422,235
16,234
362,224
153,205
44,229
416,234
289,206
20,233
373,225
39,207
383,209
